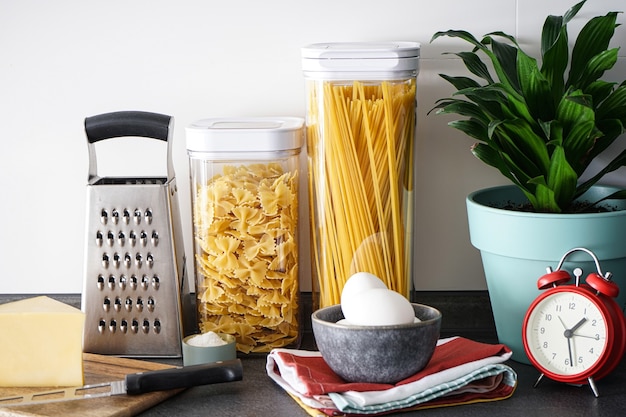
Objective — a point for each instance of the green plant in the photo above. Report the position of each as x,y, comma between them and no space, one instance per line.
540,128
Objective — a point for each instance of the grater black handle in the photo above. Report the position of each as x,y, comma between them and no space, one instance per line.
127,123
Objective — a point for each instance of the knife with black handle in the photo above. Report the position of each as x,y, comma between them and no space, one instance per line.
140,383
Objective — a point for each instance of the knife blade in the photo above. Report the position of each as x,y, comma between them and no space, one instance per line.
139,383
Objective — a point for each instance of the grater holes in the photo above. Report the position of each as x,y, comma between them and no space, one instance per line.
105,260
121,238
124,325
148,215
115,216
126,216
116,260
145,282
123,282
151,303
128,304
156,282
127,260
133,282
129,275
117,305
110,238
133,326
137,216
100,282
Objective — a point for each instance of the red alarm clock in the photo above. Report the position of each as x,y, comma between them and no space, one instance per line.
575,333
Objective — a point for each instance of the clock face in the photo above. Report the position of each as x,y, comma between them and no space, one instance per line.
566,333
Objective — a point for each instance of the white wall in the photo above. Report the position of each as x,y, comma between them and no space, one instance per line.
63,60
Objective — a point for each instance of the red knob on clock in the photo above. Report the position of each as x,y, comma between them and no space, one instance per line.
602,285
552,279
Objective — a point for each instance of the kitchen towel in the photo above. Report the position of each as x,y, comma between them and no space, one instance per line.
461,371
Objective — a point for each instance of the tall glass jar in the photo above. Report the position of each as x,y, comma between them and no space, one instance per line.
244,194
360,123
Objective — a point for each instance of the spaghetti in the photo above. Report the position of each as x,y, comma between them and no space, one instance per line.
360,147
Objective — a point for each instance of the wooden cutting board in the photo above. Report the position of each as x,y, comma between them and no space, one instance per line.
97,368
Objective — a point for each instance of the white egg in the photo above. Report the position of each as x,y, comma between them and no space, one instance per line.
357,283
379,307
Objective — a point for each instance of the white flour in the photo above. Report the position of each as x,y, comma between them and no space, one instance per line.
206,339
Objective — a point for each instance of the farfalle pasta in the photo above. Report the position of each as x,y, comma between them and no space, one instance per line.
245,231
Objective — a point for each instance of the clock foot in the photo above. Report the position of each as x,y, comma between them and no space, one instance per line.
593,387
538,381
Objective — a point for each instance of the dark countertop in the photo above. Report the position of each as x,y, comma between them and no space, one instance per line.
258,395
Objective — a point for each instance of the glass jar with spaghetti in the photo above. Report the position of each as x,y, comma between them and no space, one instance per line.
360,124
244,196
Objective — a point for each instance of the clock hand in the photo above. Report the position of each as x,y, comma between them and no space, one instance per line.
570,332
587,336
577,325
569,348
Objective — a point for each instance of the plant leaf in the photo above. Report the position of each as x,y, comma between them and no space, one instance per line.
474,65
578,121
555,53
617,162
579,142
597,66
506,36
599,91
592,40
506,58
614,106
492,157
460,83
545,200
561,178
472,128
463,108
569,15
497,65
535,88
610,129
462,34
521,144
617,195
489,97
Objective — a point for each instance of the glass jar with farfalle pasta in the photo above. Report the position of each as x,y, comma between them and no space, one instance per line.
244,176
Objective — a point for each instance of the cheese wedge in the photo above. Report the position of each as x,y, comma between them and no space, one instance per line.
40,344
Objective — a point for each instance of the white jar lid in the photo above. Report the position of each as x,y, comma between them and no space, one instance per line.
361,60
256,134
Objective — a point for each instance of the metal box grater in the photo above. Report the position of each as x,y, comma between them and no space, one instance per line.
135,285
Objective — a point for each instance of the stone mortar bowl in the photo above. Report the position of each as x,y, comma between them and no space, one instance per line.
376,354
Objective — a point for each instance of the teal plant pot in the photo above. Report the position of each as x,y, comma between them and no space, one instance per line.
517,247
